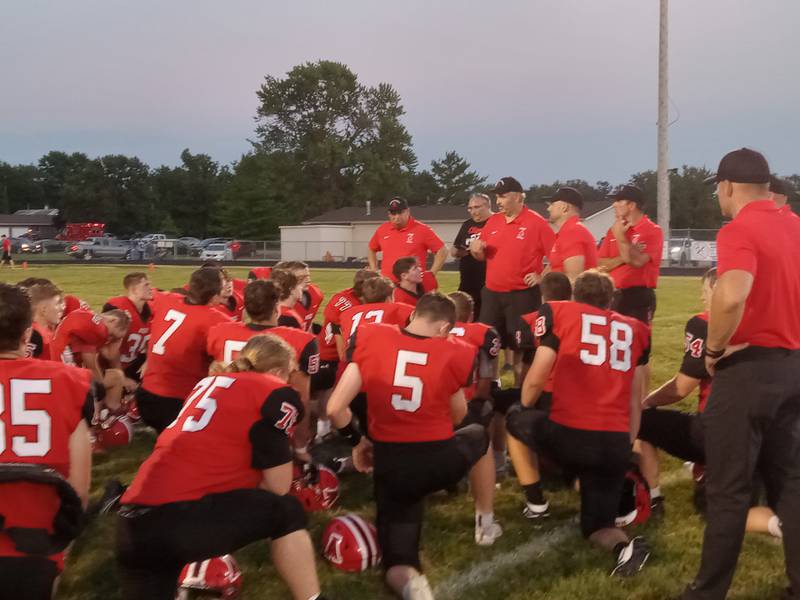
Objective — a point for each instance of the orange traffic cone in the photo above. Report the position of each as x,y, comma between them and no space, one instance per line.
151,266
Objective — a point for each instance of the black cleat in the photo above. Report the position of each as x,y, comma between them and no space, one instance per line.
657,509
109,501
632,558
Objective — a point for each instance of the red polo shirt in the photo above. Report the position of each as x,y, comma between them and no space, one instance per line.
573,239
515,248
650,240
415,239
763,242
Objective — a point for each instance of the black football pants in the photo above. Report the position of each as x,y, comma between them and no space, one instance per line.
751,424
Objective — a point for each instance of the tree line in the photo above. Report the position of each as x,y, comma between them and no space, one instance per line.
322,141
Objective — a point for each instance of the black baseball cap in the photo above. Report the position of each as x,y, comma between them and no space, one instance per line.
397,204
505,185
742,166
567,194
779,186
628,192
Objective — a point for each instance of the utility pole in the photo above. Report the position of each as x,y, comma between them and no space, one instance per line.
663,122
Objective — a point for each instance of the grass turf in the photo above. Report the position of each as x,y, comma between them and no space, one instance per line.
524,563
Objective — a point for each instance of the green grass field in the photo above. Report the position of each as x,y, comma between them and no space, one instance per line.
548,562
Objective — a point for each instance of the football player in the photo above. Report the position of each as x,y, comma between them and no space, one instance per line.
227,339
596,358
176,350
413,378
681,434
309,303
482,477
410,285
138,292
47,302
291,292
377,308
218,479
86,339
231,303
45,456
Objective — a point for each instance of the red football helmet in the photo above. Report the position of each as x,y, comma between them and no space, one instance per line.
113,432
317,487
132,411
634,506
350,544
220,576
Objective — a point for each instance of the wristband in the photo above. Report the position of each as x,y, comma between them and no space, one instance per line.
350,433
713,354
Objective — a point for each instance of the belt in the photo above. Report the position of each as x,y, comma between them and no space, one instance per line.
755,353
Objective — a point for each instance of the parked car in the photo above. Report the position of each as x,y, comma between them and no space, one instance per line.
100,247
25,245
241,249
216,251
680,252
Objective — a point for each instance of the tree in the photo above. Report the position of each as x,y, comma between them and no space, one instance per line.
20,188
345,141
422,188
454,179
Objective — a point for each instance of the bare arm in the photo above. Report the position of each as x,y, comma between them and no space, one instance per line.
91,363
478,249
372,259
341,346
80,461
349,385
631,254
574,266
727,307
637,388
457,252
675,390
609,264
458,407
438,259
301,383
278,479
536,378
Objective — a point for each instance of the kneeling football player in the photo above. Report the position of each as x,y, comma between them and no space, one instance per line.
413,379
189,503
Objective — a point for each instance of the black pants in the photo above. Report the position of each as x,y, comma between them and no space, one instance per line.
599,459
405,474
502,311
154,544
27,578
751,424
157,411
637,302
677,433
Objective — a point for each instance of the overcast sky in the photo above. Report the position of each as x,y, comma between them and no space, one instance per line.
538,89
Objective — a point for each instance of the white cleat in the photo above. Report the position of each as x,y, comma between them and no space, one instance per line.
485,535
418,588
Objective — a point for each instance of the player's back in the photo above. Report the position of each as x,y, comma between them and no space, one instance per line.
44,402
81,330
209,447
486,341
226,340
598,351
176,351
409,381
390,313
338,304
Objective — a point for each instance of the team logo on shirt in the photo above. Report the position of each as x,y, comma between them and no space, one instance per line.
521,233
409,238
635,238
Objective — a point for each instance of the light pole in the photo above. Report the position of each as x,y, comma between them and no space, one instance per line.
662,180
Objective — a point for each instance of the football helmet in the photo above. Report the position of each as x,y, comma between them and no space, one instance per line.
132,411
350,544
112,432
220,576
634,506
316,487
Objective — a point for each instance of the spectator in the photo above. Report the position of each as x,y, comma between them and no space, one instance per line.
6,248
472,272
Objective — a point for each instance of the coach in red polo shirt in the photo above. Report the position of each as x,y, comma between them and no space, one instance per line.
631,254
513,243
752,417
404,236
575,249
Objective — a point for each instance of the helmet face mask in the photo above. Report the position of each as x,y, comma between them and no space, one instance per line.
220,576
350,544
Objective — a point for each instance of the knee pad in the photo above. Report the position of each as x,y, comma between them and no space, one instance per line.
479,412
473,442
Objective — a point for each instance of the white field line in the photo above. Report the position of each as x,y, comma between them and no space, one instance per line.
478,574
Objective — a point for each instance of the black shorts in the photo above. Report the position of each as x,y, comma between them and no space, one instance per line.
157,411
405,474
27,578
637,302
599,459
677,433
6,258
502,310
154,543
325,378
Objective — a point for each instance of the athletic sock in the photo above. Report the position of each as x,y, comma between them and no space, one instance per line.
484,519
533,493
774,527
655,492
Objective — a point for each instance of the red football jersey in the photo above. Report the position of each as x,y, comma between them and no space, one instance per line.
289,317
694,356
392,313
487,341
215,443
526,340
402,295
176,351
226,340
260,273
409,380
308,306
339,302
41,338
598,351
239,285
135,342
233,308
73,303
80,331
43,403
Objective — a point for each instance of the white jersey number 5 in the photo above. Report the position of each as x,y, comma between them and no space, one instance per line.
402,379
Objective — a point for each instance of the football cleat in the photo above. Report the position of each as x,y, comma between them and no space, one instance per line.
109,501
316,487
657,508
485,535
536,511
350,544
220,576
631,558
